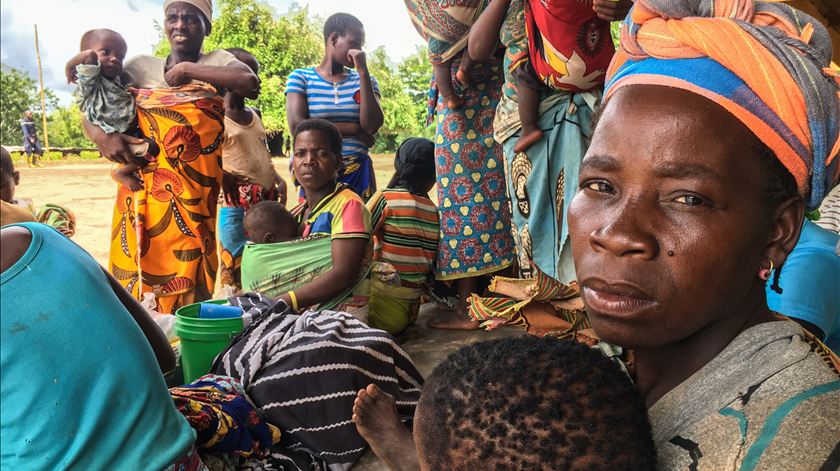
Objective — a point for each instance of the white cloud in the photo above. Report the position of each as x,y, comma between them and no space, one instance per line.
62,22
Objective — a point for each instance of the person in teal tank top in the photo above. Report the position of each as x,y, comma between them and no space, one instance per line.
80,364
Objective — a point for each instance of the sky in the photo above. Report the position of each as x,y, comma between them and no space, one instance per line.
62,22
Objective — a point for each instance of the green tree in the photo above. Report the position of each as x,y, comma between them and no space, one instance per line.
18,93
65,128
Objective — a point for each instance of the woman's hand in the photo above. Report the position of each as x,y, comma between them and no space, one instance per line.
114,147
611,10
358,58
179,74
230,187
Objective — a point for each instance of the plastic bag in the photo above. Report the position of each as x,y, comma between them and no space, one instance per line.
166,322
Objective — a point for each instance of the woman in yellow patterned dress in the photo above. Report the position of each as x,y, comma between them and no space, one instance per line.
163,236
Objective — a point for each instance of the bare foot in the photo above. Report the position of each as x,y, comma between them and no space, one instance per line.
463,77
530,136
454,102
127,179
453,320
376,419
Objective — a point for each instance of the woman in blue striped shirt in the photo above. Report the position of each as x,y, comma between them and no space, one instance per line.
346,97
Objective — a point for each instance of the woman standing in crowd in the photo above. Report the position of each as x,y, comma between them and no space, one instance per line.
675,239
163,237
342,91
474,214
542,179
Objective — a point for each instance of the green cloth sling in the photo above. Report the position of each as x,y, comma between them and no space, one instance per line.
275,269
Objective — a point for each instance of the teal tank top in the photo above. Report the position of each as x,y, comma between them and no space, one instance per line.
80,385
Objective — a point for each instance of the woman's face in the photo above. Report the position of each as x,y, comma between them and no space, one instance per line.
315,166
353,38
668,226
184,27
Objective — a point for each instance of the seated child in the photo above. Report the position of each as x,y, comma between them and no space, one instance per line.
14,211
565,33
405,234
268,222
103,99
535,403
249,177
11,212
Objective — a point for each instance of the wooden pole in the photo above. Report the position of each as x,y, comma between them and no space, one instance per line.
43,100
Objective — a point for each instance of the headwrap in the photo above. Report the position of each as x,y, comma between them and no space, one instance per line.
415,156
204,6
766,63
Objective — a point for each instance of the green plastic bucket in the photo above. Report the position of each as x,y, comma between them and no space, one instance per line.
202,339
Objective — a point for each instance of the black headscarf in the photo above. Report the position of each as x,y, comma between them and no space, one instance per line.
414,164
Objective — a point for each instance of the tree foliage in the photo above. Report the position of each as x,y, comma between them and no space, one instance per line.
18,93
64,125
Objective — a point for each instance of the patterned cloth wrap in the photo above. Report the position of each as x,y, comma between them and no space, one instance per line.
764,62
164,236
224,419
569,46
303,373
59,218
444,24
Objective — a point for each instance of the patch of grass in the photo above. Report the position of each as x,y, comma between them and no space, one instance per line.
86,155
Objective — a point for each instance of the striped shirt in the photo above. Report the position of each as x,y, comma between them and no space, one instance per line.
341,215
336,102
405,231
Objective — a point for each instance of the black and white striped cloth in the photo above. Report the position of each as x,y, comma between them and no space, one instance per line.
303,372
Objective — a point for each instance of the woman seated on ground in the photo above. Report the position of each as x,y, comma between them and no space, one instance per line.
675,238
323,268
405,231
82,364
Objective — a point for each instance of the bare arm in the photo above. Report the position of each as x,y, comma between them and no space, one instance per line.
237,77
484,34
163,351
370,112
297,110
84,57
347,256
113,147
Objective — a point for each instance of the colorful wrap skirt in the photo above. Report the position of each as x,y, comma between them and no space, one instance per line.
164,236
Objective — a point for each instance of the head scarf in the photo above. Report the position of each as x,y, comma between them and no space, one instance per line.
415,158
766,63
204,6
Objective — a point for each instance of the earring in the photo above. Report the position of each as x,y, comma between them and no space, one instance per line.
764,273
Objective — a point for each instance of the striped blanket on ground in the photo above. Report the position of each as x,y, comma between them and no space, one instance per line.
303,372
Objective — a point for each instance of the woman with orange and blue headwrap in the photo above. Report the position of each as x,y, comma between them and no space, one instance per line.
720,127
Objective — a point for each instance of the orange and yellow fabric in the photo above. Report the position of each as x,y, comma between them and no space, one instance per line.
163,238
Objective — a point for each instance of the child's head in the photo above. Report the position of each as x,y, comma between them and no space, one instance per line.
9,177
268,221
414,166
531,403
110,49
245,57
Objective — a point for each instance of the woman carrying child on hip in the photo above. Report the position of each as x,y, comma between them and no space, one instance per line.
405,233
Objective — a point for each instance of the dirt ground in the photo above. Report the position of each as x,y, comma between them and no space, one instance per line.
86,188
